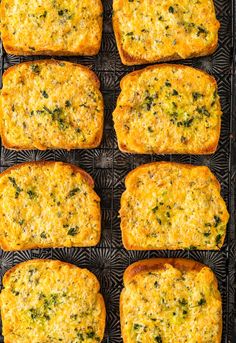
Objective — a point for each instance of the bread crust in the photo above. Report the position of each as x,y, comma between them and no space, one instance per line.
57,263
37,145
154,264
83,51
125,235
86,177
210,149
130,60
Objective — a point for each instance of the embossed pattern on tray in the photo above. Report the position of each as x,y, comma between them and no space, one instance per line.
108,166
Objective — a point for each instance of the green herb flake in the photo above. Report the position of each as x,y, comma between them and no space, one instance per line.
73,192
32,195
201,302
17,188
68,103
217,221
137,326
44,94
158,339
72,231
171,9
218,239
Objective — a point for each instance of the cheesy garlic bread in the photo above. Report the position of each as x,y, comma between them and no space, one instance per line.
48,204
172,206
51,301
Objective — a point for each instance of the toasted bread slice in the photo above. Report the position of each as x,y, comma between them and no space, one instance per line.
48,204
51,104
170,300
51,301
149,31
172,206
52,27
167,109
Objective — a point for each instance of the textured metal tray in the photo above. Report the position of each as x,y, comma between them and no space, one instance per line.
109,166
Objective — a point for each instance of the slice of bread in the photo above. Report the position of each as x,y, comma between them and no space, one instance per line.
51,27
48,204
51,104
170,300
172,206
168,109
149,31
51,301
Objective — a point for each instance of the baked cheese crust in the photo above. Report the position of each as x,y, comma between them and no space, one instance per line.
51,27
172,206
51,104
168,109
45,301
48,204
170,300
149,31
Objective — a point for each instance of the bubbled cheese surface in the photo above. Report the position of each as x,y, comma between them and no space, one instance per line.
152,30
50,301
170,305
51,26
51,104
168,109
47,205
172,206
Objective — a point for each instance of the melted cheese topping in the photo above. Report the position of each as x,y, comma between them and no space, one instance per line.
168,305
52,26
47,205
172,206
168,109
51,105
152,30
50,301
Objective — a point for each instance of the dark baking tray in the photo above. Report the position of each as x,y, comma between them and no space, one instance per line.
109,166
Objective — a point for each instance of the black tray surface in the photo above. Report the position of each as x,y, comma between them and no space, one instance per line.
108,166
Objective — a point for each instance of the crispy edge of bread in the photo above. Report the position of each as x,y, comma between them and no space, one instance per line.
133,75
57,263
155,264
124,233
91,51
87,178
130,60
37,145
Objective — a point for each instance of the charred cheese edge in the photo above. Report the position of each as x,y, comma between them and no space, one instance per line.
45,301
172,206
48,204
54,27
168,109
170,300
51,105
150,31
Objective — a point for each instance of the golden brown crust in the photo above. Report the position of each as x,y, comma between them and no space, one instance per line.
58,263
124,232
88,178
89,51
184,265
37,145
129,60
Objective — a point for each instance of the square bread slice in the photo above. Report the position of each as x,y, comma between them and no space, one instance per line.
51,104
150,31
170,300
168,109
51,301
48,204
58,27
172,206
